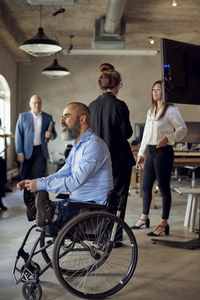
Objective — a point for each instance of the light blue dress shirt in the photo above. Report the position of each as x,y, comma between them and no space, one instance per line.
87,173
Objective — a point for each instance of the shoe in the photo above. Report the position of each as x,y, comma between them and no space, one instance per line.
165,230
146,222
45,209
3,207
29,200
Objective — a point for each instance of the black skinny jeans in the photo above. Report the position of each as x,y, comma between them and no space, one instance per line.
158,166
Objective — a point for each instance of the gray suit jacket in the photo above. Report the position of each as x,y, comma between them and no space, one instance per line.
24,134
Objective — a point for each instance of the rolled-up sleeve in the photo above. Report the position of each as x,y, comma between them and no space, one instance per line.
179,125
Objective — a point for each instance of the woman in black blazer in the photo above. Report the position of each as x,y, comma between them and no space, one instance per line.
109,118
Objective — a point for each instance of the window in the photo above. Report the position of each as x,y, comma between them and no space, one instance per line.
4,110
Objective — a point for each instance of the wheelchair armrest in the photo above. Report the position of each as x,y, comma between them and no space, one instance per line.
89,205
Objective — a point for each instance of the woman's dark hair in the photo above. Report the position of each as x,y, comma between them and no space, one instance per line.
109,79
106,67
154,103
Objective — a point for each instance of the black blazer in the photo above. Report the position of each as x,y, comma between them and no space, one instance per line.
109,118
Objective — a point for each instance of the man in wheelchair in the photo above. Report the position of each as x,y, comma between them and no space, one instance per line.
86,175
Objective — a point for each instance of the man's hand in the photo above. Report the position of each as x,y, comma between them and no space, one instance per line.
20,157
31,185
140,163
162,143
21,185
48,134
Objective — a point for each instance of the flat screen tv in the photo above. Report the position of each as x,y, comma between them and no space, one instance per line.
180,67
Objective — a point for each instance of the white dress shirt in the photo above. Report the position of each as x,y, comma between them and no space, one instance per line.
170,125
37,124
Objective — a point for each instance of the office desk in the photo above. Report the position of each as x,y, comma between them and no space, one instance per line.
182,159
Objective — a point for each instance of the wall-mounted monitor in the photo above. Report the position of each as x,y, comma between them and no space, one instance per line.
180,66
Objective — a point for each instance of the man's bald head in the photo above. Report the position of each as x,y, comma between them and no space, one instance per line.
75,121
80,109
35,104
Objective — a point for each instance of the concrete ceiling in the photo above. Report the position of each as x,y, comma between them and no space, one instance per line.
143,18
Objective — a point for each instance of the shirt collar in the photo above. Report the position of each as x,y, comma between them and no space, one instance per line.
85,137
35,114
158,114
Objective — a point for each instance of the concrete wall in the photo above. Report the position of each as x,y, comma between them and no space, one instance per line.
8,68
25,79
138,74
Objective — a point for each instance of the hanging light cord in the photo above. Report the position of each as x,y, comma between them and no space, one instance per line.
70,45
40,15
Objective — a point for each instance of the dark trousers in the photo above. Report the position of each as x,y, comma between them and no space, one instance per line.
121,184
3,176
158,166
34,167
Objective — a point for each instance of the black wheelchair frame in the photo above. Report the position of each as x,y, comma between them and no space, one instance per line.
82,253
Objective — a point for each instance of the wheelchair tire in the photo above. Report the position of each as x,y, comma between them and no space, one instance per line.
85,260
31,291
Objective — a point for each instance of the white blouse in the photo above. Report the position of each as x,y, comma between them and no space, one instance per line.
171,125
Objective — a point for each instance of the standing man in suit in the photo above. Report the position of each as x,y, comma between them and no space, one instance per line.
33,131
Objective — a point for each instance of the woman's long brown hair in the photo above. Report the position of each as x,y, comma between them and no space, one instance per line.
154,103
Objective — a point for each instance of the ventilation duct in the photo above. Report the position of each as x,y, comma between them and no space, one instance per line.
110,30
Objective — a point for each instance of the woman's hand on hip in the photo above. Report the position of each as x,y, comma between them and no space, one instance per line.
162,143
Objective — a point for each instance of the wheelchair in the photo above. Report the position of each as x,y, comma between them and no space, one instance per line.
82,253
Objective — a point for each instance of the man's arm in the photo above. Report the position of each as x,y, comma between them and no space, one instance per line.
19,140
92,158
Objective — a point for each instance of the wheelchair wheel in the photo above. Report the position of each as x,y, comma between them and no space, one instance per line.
32,291
85,260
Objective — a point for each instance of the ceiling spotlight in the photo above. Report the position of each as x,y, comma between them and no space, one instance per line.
40,44
55,71
151,40
174,3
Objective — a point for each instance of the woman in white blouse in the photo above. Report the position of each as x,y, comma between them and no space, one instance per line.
163,128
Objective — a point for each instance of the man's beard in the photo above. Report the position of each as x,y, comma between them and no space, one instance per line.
69,134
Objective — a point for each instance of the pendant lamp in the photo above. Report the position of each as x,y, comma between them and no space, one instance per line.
40,44
55,70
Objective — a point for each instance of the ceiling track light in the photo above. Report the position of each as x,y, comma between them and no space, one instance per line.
55,71
40,44
151,40
174,3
